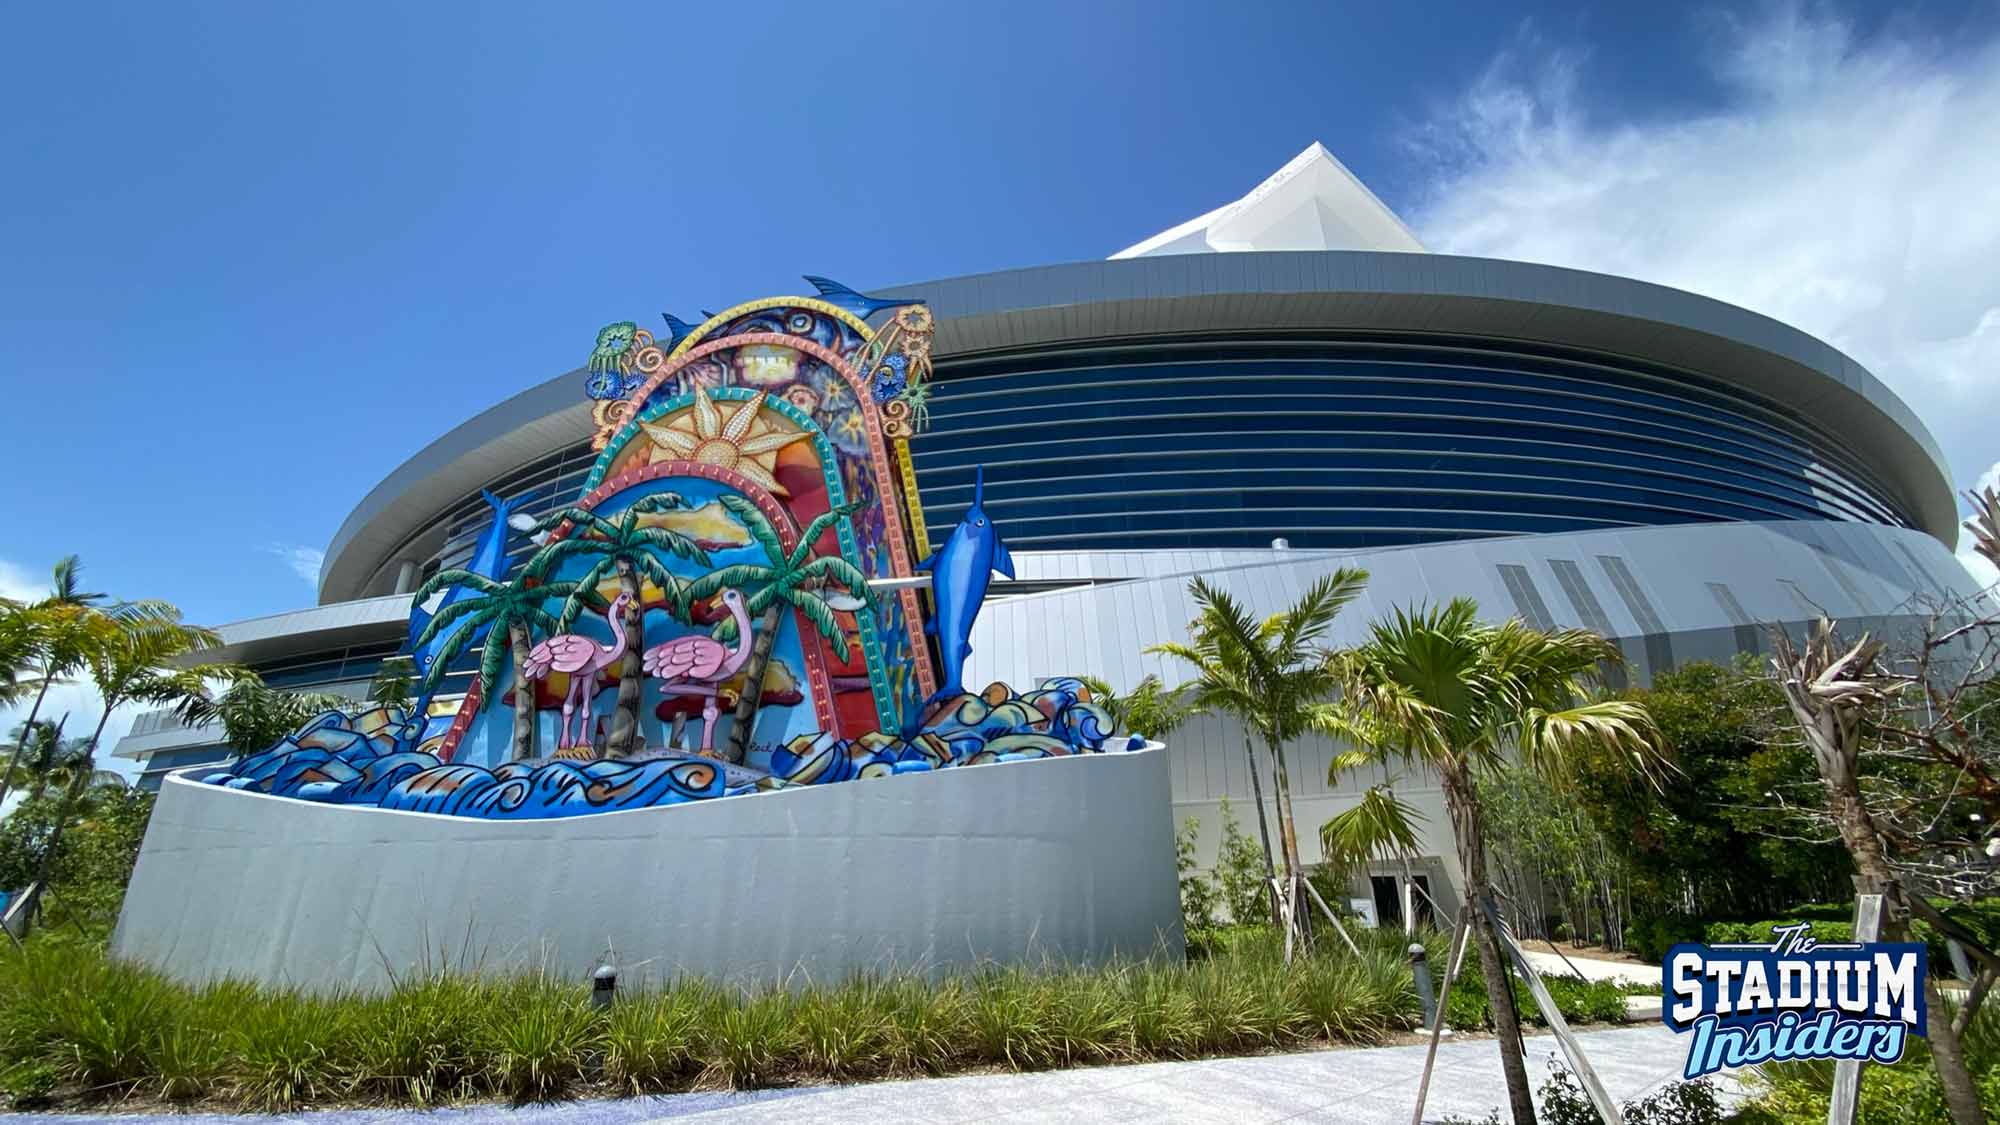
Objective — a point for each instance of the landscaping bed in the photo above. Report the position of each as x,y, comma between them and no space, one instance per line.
78,1029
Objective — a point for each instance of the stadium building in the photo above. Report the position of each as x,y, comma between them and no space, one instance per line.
1286,385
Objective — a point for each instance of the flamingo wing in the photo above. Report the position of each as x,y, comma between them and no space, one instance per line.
682,658
566,652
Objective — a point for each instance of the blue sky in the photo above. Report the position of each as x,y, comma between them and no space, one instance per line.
255,255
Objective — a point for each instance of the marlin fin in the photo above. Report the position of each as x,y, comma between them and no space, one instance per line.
677,329
1002,560
834,291
928,563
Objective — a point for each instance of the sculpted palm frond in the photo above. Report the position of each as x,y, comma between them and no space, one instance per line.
456,576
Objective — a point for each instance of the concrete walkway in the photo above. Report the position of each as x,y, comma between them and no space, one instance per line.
1618,972
1369,1086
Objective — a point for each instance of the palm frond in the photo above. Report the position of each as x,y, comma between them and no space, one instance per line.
1379,825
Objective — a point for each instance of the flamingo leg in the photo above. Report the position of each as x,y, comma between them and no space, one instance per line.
569,709
709,710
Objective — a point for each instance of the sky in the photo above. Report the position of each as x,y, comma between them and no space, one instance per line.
254,256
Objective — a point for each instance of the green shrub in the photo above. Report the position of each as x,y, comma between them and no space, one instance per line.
1242,873
750,1041
539,1034
652,1039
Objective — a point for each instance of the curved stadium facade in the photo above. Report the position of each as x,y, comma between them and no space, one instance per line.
1229,399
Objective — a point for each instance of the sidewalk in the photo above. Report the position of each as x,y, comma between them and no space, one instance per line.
1369,1086
1618,972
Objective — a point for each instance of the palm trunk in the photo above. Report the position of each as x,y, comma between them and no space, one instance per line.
27,728
1873,875
753,681
1467,824
46,867
1288,835
525,715
1263,825
624,737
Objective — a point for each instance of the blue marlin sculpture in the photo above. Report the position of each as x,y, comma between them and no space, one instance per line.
677,330
960,571
860,304
489,560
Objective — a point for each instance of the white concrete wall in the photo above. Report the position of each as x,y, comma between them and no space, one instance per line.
1070,858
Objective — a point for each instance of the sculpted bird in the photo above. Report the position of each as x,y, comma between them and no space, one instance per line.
697,664
582,658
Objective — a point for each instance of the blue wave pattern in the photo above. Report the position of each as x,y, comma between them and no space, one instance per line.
363,761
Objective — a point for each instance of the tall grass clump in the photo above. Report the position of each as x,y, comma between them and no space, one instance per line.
288,1049
750,1041
652,1042
422,1041
539,1037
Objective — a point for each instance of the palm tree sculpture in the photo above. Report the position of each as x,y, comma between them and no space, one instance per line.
1442,689
793,580
511,609
1275,678
631,552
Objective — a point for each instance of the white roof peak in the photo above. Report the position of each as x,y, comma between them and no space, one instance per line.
1312,203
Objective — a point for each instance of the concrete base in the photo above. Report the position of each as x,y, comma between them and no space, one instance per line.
1067,858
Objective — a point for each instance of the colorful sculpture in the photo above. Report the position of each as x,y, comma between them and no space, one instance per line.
582,657
697,665
489,559
960,572
760,458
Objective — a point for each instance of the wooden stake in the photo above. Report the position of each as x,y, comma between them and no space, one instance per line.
1599,1097
1333,918
1458,944
1845,1103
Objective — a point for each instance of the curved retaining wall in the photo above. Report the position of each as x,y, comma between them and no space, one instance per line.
1071,858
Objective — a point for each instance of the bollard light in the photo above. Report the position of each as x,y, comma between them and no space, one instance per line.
1420,968
603,986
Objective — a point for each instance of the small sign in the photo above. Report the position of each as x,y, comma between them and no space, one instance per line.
1364,909
1796,998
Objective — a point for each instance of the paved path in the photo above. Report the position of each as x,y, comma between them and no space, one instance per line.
1621,972
1366,1086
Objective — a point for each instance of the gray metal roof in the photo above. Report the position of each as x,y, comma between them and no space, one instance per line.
1195,294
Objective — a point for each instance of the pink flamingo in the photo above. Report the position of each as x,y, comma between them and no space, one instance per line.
697,665
583,658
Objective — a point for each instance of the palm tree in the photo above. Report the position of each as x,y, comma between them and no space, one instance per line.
515,609
785,580
255,715
1274,676
53,638
73,768
1446,691
631,553
1151,708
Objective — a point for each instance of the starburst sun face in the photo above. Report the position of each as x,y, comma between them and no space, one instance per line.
746,441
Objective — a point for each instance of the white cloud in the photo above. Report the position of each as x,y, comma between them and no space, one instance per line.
304,561
1849,188
18,584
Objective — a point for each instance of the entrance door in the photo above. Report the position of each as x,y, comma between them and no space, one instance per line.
1388,903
